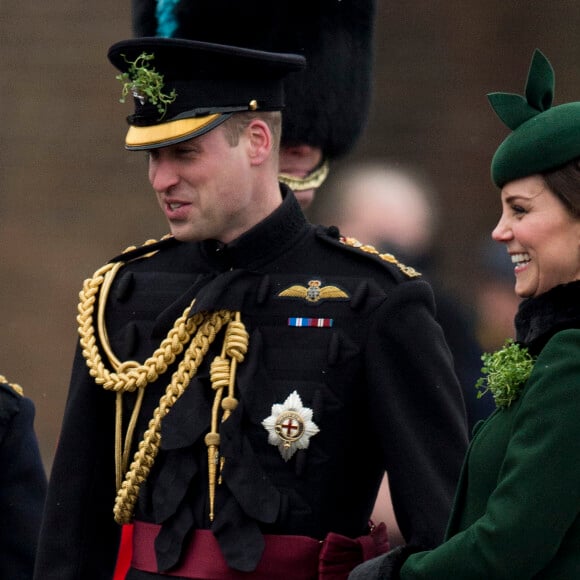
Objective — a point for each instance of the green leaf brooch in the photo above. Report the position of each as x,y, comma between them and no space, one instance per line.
507,371
145,83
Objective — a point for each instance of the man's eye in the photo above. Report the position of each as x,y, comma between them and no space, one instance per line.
186,150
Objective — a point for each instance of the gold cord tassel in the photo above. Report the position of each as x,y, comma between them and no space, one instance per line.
149,446
223,373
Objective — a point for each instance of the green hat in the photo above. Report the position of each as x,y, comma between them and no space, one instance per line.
543,137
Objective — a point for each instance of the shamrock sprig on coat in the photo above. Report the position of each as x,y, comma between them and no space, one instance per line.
505,373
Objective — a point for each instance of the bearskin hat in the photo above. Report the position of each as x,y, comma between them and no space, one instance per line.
327,103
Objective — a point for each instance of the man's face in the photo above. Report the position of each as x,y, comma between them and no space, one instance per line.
299,161
203,187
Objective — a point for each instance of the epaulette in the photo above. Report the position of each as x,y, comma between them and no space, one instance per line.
16,388
149,247
333,233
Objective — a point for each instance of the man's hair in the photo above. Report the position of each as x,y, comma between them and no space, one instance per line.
238,122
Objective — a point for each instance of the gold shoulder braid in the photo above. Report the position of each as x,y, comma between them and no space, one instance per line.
411,272
199,330
14,386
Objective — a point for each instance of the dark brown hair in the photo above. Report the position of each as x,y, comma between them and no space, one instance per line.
564,182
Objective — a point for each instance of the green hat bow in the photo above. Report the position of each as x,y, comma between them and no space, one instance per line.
514,109
543,137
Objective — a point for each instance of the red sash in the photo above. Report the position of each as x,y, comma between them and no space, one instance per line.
296,557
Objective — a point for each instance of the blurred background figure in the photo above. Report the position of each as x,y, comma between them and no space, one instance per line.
327,104
496,303
386,205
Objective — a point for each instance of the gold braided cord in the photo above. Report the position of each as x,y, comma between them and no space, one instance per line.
129,376
130,430
148,448
121,448
236,348
107,283
222,374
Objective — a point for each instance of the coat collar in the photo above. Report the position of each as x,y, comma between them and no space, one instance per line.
265,241
538,319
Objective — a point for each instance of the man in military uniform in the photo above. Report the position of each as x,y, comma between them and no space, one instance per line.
241,386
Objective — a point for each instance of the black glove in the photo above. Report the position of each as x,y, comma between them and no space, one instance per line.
385,567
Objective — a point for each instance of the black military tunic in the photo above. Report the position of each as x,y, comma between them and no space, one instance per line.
347,332
22,485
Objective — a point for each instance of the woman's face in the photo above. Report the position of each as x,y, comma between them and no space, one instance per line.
540,234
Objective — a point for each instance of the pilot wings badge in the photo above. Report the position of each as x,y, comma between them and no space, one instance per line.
315,292
290,426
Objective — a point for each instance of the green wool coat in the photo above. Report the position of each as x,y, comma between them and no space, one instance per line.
516,513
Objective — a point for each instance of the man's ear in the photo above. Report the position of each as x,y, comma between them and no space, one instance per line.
260,141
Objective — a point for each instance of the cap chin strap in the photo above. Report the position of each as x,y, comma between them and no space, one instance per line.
311,181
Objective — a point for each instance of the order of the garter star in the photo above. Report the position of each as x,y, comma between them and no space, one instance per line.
290,426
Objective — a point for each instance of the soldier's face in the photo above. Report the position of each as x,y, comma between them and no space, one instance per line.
203,187
299,161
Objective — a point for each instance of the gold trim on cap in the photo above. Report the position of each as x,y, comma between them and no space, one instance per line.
157,135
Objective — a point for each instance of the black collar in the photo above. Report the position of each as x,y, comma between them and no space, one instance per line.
265,241
538,319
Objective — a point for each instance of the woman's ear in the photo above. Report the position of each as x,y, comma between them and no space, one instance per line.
259,141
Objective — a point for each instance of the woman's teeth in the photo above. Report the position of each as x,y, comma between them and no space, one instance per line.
518,259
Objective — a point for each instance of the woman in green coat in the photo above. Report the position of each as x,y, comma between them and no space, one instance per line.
516,513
